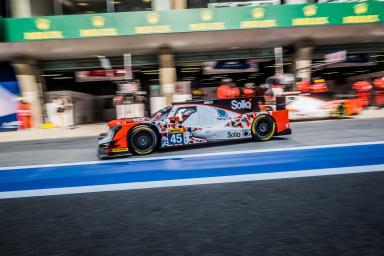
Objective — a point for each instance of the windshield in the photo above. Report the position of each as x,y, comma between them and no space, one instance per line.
161,114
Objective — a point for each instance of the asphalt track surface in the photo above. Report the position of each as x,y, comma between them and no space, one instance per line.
328,215
325,215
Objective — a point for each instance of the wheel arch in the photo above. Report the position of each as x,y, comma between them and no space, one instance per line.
149,125
266,114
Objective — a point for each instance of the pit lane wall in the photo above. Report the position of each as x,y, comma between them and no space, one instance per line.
190,20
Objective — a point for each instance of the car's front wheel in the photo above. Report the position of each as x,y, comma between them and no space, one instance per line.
263,128
142,140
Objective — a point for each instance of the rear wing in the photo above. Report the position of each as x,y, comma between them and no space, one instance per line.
240,105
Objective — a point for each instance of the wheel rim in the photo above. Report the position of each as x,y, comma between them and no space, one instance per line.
143,140
264,127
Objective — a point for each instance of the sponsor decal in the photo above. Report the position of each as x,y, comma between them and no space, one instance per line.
44,25
153,19
8,105
243,104
258,13
175,130
310,11
222,114
233,135
360,10
206,16
117,150
164,140
153,29
9,125
98,22
246,134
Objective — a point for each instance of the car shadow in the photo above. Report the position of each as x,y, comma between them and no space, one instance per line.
181,149
213,144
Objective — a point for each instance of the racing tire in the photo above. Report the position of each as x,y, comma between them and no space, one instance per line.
340,111
263,128
142,140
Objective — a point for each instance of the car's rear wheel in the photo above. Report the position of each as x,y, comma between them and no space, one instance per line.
340,111
142,140
263,128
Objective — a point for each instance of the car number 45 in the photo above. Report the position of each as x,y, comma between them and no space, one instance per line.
175,138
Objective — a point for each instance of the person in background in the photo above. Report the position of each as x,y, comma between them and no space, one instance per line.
227,90
24,115
276,89
249,90
363,90
63,110
303,85
319,85
378,92
261,89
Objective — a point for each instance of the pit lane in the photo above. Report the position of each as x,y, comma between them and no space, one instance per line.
304,134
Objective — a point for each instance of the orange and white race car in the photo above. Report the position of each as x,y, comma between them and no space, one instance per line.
195,122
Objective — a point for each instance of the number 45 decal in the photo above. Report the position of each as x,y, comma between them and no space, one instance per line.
175,138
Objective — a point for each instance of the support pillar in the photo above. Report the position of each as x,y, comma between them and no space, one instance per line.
31,87
21,8
167,74
179,4
162,5
303,60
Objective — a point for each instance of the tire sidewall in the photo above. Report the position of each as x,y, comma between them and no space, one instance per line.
134,149
258,137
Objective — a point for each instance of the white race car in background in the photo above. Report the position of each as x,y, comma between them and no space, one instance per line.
316,106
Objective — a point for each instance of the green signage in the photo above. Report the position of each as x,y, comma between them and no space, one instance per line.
133,23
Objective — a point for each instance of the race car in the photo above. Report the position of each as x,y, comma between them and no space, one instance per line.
195,122
321,105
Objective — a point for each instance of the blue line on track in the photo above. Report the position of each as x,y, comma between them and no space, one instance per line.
186,168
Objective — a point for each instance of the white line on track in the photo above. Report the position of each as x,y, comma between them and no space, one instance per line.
193,155
190,182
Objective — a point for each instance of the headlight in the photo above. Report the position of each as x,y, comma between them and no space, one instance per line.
110,134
